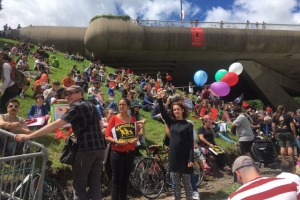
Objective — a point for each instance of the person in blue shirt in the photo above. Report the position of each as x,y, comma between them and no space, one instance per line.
38,109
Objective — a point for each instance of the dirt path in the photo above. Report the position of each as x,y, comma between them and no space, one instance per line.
207,188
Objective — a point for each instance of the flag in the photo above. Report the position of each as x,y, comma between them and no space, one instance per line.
239,100
182,15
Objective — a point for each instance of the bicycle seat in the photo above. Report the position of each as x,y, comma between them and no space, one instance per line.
154,148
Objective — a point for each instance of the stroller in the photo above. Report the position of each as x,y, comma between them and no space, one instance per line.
263,152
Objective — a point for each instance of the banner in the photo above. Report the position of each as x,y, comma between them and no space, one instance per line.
197,36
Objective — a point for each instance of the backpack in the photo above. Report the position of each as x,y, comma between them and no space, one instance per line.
17,76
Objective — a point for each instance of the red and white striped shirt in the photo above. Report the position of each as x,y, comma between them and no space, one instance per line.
268,189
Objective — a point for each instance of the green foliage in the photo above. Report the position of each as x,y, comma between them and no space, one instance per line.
110,16
258,104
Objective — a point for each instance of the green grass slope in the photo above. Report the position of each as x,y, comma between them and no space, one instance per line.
154,130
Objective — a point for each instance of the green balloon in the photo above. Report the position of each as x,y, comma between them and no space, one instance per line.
220,73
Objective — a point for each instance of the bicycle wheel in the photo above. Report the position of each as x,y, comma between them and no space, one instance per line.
133,179
199,171
51,190
151,175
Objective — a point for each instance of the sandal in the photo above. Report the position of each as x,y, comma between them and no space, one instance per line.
206,166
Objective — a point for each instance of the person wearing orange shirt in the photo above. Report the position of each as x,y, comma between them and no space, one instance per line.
68,81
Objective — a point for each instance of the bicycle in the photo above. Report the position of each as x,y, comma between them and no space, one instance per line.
153,175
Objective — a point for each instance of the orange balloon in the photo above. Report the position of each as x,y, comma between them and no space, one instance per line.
230,78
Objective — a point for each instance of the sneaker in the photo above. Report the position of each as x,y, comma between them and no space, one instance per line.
21,95
195,195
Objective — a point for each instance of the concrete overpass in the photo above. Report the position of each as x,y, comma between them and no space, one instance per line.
270,56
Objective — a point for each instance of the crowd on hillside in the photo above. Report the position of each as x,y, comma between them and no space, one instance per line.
120,119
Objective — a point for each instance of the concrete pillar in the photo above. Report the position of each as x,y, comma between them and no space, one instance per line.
267,84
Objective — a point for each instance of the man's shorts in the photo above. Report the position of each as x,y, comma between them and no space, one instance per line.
286,139
245,146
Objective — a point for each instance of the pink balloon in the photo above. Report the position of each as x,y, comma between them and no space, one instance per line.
230,78
220,88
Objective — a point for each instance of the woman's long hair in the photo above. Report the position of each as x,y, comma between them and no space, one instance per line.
5,56
185,113
280,111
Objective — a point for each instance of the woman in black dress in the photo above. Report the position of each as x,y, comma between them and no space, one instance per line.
181,149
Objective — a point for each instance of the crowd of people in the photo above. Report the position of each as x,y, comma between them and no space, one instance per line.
101,119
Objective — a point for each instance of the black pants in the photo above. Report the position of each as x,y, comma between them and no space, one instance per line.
121,164
9,93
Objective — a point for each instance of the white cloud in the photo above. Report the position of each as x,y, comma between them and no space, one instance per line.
79,12
270,11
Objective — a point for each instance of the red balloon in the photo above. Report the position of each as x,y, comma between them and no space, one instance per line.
230,78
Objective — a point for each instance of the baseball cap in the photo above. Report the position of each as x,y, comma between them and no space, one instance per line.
242,161
298,111
135,104
75,88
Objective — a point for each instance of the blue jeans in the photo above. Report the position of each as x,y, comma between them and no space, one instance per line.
297,142
114,106
193,182
220,135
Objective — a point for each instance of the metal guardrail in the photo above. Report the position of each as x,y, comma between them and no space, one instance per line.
225,25
21,171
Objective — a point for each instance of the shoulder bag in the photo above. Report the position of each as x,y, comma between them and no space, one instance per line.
69,151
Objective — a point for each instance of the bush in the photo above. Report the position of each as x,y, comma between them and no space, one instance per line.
110,16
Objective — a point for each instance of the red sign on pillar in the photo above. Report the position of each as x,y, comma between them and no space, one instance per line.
197,36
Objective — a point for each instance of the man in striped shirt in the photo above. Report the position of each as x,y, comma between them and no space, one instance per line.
256,187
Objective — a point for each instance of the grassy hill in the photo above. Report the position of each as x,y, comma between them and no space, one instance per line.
154,130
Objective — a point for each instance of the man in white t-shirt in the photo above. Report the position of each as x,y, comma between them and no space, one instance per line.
23,64
242,128
288,172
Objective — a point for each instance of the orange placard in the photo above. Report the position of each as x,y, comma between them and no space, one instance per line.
214,113
157,85
197,36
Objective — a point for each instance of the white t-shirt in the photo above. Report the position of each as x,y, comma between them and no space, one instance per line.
289,176
191,89
243,127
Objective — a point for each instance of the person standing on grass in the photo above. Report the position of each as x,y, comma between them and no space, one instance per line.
242,128
122,133
87,126
283,126
181,154
8,89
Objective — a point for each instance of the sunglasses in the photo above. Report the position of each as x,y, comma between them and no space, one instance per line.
70,93
13,106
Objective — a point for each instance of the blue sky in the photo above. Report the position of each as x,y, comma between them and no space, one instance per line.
79,12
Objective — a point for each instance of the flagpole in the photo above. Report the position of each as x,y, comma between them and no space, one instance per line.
181,9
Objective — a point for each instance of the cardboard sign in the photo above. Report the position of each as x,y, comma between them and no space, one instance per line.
57,110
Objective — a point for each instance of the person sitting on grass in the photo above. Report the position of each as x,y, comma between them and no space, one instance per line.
23,64
59,97
68,81
41,84
96,93
38,109
207,135
13,123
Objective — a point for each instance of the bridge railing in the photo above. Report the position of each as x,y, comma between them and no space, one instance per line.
228,25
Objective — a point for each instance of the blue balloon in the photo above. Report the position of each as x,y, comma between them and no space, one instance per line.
200,77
